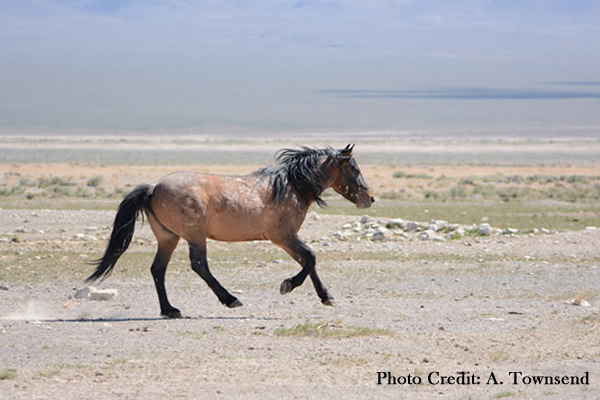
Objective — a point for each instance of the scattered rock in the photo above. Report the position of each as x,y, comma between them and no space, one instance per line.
456,233
436,225
430,234
397,223
380,233
104,295
580,300
138,329
365,219
91,293
342,235
411,226
484,230
398,229
84,292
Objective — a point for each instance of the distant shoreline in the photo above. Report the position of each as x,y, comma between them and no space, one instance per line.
373,149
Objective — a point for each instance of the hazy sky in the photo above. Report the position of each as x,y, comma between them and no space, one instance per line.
294,66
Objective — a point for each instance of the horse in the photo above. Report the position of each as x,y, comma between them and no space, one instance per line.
270,203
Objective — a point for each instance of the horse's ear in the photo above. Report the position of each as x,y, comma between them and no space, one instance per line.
347,152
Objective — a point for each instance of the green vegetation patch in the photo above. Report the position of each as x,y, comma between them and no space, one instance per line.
8,374
330,330
524,216
496,188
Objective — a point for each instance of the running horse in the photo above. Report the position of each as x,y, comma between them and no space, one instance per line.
268,204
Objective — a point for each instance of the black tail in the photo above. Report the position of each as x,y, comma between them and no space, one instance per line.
134,204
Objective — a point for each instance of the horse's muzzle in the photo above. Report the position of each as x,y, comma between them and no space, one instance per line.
365,201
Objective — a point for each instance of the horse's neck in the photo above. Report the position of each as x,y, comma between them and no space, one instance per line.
326,179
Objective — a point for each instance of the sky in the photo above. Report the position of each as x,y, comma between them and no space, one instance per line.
406,67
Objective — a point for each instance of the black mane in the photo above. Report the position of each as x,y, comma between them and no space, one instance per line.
298,168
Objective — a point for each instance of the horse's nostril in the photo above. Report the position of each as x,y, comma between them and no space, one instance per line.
372,199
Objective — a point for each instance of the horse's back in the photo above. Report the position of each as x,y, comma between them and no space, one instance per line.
221,207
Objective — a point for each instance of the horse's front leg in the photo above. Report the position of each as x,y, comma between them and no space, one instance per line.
200,266
306,258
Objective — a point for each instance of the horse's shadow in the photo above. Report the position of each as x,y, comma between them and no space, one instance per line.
147,319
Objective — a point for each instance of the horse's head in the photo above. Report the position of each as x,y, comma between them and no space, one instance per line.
347,178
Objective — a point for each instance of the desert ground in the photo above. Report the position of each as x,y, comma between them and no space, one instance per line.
449,316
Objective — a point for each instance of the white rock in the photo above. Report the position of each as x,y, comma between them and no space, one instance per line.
84,292
342,235
436,225
484,229
430,234
457,233
432,227
380,233
104,295
400,234
395,223
411,226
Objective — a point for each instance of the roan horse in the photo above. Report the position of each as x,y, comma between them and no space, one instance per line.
268,204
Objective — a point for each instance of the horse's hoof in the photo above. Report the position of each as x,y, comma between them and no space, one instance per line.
286,287
172,314
235,303
328,302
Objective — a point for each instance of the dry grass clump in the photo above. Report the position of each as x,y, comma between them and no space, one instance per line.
580,300
329,330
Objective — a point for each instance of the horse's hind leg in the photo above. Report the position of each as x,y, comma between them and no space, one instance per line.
200,266
159,269
306,257
167,242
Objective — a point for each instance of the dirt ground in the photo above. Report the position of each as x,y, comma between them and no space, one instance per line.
492,311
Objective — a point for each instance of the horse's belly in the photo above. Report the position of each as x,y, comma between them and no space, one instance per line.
235,229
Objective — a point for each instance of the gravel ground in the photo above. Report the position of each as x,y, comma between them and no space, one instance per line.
485,310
